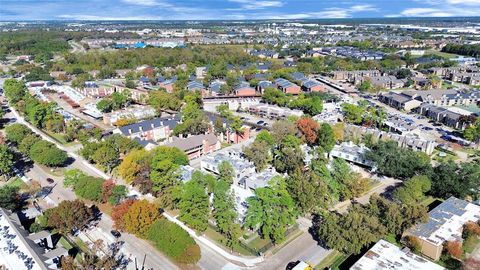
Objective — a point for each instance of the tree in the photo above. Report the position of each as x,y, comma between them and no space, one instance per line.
454,249
326,137
6,161
174,241
413,190
161,100
47,153
139,217
118,213
391,160
17,132
353,113
107,189
309,128
89,187
105,105
281,129
450,179
265,136
308,190
225,214
194,206
14,90
258,152
69,215
271,211
119,192
9,198
106,157
226,172
413,243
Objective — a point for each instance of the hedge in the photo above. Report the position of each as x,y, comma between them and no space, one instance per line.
174,241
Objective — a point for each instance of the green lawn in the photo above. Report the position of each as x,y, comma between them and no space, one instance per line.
220,239
470,243
65,243
334,259
81,245
442,54
15,182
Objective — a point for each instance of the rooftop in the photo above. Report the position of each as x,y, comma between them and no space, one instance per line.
384,255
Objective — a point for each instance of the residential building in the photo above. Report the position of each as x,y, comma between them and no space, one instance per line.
262,85
385,255
273,111
399,101
155,129
196,146
450,116
445,223
352,153
309,85
244,89
442,97
287,87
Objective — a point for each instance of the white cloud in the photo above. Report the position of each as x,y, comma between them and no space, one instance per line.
253,4
464,2
148,3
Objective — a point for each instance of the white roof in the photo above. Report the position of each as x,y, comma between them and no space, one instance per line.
384,255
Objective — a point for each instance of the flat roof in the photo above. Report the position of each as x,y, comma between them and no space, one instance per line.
384,255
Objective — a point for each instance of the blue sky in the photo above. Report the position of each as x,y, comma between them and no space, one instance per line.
231,9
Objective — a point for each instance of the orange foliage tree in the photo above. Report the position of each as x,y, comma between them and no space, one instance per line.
118,212
107,189
139,217
309,128
454,249
471,228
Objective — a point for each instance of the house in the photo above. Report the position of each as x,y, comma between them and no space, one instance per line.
144,81
262,85
264,53
244,89
215,87
273,111
168,84
352,153
309,85
384,256
399,101
200,72
297,76
154,129
22,250
195,86
445,223
196,146
287,87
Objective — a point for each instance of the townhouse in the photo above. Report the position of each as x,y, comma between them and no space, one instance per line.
154,129
287,86
196,146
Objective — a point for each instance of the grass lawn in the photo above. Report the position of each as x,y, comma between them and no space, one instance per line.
220,239
15,182
392,238
258,242
65,243
442,54
470,243
335,258
81,245
60,138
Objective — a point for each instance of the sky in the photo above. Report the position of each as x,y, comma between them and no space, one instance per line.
231,9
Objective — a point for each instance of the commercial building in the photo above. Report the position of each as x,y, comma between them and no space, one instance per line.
21,250
445,223
384,255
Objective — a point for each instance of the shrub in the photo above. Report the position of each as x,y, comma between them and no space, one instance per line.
471,228
454,249
174,241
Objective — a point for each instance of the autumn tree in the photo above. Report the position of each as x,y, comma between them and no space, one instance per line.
118,213
139,217
69,215
309,128
454,249
133,163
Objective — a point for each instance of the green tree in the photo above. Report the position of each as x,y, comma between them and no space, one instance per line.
17,132
46,153
308,190
225,214
6,161
9,197
271,211
450,179
413,190
226,172
326,137
14,90
353,113
161,100
194,206
258,152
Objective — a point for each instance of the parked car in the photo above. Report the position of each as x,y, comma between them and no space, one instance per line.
260,122
115,233
50,180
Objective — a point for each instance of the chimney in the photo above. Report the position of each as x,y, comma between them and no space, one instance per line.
141,128
152,125
129,131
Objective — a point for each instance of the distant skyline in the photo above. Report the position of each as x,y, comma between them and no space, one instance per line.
231,9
